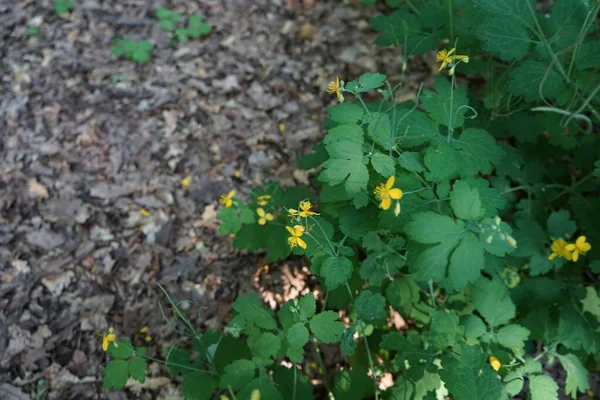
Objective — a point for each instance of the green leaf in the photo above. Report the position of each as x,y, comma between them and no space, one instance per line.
591,303
505,26
265,346
346,113
560,225
478,152
383,164
491,299
411,161
439,106
348,343
414,128
369,81
468,376
512,336
445,330
167,25
589,55
297,335
162,13
177,361
307,306
465,201
474,326
237,374
429,228
288,380
138,368
263,386
198,386
526,78
121,349
230,221
542,387
466,262
336,271
442,162
197,27
353,384
577,376
380,130
513,383
116,374
250,307
415,39
326,327
370,306
344,145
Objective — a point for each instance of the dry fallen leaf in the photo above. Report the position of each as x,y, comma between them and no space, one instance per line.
37,189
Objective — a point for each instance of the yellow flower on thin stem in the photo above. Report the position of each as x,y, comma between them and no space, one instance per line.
305,206
559,249
446,57
495,363
386,192
227,199
579,247
263,200
295,240
107,338
335,87
185,182
263,216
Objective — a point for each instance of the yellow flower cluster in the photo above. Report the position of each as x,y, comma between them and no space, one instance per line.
107,338
336,87
227,199
447,57
295,240
569,251
386,192
303,211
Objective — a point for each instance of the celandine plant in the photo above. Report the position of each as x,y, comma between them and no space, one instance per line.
474,215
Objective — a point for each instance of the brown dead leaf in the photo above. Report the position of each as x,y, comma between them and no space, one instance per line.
37,189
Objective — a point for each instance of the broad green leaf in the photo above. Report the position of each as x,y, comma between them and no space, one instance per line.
465,201
295,354
429,228
265,346
474,326
237,374
327,327
230,221
442,162
542,387
121,349
116,374
532,367
247,216
512,336
297,335
492,200
250,307
369,81
560,225
346,113
307,306
565,23
466,262
358,223
403,28
383,164
491,299
138,368
262,386
589,55
413,128
591,303
445,330
354,384
411,161
177,361
468,376
577,375
478,152
370,306
287,380
513,383
348,344
198,386
402,293
380,130
532,78
336,271
440,106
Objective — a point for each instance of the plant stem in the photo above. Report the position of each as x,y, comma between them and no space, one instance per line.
572,187
322,364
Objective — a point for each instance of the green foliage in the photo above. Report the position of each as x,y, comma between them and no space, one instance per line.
136,51
466,211
170,22
63,6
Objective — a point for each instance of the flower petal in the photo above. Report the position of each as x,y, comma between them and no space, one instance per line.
269,217
395,193
231,194
260,212
390,182
262,221
575,256
386,203
451,51
301,243
290,230
570,247
104,343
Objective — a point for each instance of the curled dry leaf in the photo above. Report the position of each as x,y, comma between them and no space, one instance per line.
37,189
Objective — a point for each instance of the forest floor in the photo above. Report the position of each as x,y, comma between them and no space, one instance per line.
93,151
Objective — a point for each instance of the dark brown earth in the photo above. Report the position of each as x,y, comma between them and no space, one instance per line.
88,141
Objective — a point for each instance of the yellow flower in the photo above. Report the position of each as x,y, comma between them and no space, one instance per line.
263,200
263,216
144,329
387,192
334,87
186,181
305,207
144,212
446,57
107,338
282,127
297,231
495,363
559,249
227,199
579,247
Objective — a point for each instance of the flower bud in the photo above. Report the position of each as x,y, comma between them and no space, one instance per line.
397,209
511,241
497,220
489,239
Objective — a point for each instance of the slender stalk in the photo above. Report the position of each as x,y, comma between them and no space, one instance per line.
572,187
451,19
295,381
322,364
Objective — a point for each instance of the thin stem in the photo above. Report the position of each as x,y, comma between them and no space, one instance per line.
295,381
451,20
572,187
322,364
412,7
431,294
